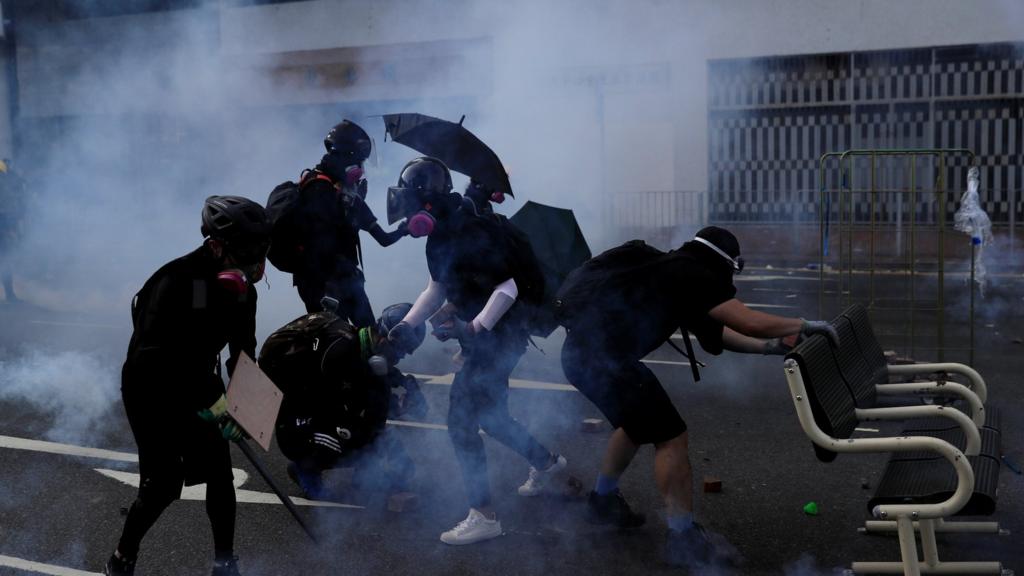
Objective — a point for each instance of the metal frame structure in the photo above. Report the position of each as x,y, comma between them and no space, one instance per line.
846,225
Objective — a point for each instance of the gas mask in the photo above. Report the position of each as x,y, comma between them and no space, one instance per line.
421,224
236,278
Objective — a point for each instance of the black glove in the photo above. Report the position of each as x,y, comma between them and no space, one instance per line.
822,327
403,337
453,328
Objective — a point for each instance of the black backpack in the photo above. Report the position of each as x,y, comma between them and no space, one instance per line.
296,355
286,236
602,281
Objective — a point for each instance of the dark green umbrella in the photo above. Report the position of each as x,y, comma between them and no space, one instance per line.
557,242
451,143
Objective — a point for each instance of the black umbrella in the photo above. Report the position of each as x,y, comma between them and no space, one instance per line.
557,242
452,144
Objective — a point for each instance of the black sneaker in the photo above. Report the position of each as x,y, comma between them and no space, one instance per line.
226,567
118,566
612,508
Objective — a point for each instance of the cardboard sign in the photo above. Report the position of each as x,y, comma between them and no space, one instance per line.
253,401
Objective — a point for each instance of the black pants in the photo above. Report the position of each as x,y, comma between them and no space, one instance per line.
348,290
479,399
172,452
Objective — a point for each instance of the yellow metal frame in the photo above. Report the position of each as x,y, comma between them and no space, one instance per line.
844,188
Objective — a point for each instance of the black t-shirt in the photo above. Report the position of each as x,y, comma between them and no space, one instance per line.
470,255
182,320
332,221
659,300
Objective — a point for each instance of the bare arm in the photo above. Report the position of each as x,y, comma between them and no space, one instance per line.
386,239
736,342
735,315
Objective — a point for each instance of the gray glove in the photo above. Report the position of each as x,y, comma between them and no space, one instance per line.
775,346
822,327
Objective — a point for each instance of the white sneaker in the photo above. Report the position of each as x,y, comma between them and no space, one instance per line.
474,528
540,479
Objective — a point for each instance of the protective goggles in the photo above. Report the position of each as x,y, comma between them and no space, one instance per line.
736,263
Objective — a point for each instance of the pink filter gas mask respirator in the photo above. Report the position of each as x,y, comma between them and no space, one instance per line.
353,174
421,223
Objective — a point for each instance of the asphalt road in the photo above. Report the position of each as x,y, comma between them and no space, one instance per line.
57,508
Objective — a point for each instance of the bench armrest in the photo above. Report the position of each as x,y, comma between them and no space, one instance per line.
973,446
964,472
977,382
977,409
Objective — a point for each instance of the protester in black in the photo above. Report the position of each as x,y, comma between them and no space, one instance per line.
340,385
471,264
333,210
173,394
608,335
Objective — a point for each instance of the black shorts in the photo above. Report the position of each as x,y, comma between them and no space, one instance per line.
625,390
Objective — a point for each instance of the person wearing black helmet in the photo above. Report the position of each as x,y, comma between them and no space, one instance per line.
337,396
333,210
638,297
184,315
472,264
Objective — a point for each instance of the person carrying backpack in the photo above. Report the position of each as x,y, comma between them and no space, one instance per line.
340,384
622,305
473,265
317,223
183,316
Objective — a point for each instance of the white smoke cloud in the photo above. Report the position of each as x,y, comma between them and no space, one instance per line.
78,392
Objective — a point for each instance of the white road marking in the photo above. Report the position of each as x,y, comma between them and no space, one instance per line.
767,277
755,306
65,449
446,380
245,496
866,430
76,324
412,424
670,362
40,568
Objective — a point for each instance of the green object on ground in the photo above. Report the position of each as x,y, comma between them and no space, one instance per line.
811,508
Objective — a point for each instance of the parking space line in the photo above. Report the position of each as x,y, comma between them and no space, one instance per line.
40,568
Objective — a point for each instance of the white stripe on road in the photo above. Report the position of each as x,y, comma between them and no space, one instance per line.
40,568
446,380
243,496
65,449
670,362
411,424
75,324
865,429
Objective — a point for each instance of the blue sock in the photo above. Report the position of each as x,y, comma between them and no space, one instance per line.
680,522
606,484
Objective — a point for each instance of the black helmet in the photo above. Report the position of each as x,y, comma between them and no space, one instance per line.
392,315
723,243
348,141
421,181
241,224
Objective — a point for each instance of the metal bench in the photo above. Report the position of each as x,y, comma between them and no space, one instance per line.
928,478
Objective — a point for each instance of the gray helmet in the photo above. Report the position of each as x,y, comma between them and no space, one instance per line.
421,180
392,315
241,224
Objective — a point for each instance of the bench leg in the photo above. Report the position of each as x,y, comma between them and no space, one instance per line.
941,527
911,566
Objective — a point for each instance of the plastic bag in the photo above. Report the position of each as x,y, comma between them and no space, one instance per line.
973,221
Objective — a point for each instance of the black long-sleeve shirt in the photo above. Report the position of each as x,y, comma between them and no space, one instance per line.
183,319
